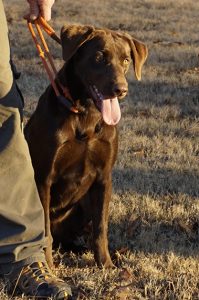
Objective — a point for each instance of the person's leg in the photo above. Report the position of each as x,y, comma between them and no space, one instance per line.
22,236
21,213
6,78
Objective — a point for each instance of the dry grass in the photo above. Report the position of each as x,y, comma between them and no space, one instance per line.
155,208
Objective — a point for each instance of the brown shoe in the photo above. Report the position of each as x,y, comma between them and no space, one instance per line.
36,280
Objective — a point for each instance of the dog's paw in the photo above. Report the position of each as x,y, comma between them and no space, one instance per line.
109,264
105,262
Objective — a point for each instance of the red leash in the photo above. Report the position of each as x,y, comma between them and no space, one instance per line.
51,71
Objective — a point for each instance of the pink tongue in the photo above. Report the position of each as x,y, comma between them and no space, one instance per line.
111,111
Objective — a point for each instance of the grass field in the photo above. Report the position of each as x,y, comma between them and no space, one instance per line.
154,214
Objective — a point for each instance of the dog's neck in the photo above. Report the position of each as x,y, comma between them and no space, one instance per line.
92,119
69,79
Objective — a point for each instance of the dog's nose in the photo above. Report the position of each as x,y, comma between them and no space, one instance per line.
120,89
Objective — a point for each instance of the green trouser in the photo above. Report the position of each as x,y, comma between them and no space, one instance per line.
22,236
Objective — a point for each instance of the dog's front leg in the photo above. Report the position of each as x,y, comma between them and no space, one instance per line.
44,192
100,197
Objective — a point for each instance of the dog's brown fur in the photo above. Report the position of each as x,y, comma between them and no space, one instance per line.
73,154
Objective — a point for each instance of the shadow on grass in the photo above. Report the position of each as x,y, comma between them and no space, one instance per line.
155,182
158,238
155,238
183,96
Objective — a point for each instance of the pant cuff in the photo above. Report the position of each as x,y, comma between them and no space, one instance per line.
8,267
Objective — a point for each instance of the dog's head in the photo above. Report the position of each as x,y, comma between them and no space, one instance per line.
102,59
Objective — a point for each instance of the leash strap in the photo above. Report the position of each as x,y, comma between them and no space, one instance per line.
40,22
49,30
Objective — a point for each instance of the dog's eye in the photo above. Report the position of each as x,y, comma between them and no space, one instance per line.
99,56
126,61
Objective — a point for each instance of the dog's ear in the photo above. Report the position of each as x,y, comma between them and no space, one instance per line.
139,53
73,37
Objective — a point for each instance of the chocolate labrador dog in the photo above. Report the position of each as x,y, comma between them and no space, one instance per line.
73,152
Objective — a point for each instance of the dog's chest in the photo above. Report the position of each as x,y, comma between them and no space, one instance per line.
77,166
82,150
86,153
81,140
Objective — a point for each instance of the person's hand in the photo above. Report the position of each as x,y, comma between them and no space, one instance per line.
40,8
